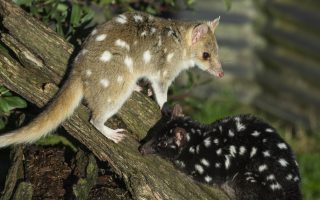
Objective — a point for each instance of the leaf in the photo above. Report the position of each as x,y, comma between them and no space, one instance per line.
228,4
15,102
62,7
2,124
23,2
4,106
88,17
75,15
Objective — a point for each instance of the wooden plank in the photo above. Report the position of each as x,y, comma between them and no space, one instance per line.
289,88
299,42
290,63
286,112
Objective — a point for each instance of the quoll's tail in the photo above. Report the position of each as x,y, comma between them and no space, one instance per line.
61,108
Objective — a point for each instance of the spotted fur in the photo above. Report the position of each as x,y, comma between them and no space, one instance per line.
118,53
252,168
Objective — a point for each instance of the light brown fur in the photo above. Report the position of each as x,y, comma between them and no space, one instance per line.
118,53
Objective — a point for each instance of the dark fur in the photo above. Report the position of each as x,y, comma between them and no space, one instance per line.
249,176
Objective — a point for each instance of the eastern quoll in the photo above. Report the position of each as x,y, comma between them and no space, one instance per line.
114,57
242,154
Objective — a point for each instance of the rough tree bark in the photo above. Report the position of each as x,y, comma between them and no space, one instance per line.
34,67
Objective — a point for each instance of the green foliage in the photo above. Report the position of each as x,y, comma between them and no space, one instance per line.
64,17
310,173
55,140
73,20
8,102
228,4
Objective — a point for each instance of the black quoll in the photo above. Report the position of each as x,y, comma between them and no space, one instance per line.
243,155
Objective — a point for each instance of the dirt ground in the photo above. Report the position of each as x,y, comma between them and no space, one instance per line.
55,171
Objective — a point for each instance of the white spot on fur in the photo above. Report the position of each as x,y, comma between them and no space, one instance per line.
135,42
269,130
266,153
296,179
207,142
255,133
240,126
205,162
227,162
138,18
289,177
282,146
101,37
207,179
275,186
109,100
262,168
232,150
219,151
144,33
129,63
122,19
197,148
253,152
271,177
122,44
106,56
180,163
153,30
192,150
88,72
217,165
242,150
104,83
119,79
199,168
169,57
146,56
216,141
188,137
230,133
283,162
159,41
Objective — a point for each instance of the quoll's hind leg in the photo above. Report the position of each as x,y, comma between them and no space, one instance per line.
252,186
105,104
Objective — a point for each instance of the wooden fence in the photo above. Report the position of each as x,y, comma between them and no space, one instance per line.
290,79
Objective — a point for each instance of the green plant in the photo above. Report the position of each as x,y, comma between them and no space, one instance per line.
64,17
8,102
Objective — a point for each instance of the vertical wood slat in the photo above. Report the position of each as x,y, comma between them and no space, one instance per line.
291,60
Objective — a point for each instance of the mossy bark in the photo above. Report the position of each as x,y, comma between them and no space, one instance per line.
34,67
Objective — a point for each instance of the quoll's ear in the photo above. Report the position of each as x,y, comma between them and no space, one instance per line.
177,111
180,136
213,24
198,32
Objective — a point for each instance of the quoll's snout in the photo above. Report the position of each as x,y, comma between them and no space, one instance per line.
220,74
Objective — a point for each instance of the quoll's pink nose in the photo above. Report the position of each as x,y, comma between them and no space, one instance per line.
221,74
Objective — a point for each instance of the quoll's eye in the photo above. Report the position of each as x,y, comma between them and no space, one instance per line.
205,55
163,144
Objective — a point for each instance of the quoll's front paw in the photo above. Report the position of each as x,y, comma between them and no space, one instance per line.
116,135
